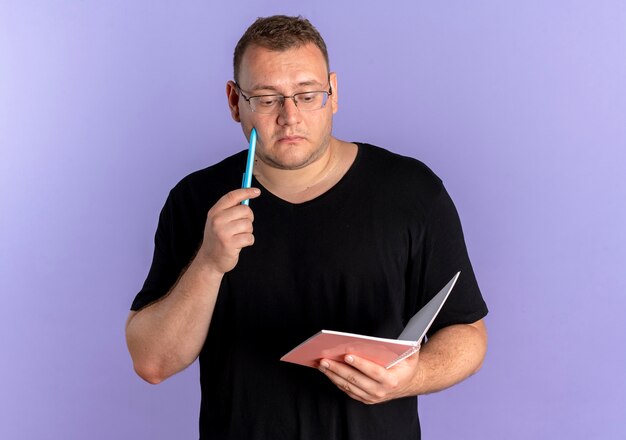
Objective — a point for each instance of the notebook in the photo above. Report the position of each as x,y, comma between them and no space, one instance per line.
329,344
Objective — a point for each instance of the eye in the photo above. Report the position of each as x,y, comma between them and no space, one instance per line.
266,101
307,97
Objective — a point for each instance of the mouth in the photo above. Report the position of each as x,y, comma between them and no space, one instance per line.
290,139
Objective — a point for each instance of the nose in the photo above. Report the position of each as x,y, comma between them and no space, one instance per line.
289,113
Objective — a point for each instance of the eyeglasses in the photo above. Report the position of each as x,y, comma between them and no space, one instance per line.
304,101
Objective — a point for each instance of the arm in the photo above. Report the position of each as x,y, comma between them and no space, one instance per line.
167,336
451,355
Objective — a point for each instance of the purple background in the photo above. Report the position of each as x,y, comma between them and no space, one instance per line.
519,106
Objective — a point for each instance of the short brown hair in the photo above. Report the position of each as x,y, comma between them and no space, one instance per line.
278,32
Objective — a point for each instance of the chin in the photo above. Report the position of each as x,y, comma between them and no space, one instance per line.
293,155
292,158
289,164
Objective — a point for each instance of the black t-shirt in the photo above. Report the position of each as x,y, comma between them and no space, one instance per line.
361,258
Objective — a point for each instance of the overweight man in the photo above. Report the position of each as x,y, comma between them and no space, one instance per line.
337,235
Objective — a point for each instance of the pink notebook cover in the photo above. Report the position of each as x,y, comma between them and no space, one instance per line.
335,345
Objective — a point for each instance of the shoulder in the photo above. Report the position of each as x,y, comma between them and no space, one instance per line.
213,181
389,165
398,177
193,196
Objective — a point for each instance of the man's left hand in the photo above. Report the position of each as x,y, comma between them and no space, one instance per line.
370,383
451,355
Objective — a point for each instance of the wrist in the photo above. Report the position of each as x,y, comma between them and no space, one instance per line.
206,269
418,381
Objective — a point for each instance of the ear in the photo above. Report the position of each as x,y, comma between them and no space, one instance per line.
334,98
233,100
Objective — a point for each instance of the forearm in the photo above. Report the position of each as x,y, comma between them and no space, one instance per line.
167,336
450,356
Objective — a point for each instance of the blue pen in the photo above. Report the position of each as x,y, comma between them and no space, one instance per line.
247,176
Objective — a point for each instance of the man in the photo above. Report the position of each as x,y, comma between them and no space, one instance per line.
346,236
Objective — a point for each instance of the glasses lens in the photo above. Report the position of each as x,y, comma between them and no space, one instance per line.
266,104
310,100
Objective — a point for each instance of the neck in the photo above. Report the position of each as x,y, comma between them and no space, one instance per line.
312,180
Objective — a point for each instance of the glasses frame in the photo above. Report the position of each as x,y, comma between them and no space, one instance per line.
283,98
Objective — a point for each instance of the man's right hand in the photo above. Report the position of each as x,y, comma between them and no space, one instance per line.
228,229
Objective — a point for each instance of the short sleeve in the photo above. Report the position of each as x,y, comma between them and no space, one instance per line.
178,235
162,274
443,253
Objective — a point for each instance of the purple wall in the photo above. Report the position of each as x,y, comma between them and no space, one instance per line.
519,106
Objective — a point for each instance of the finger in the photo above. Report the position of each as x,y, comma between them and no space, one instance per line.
236,234
239,212
240,241
231,219
237,196
370,369
350,386
232,226
241,226
345,372
347,378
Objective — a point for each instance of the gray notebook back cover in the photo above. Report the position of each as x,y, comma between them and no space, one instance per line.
419,324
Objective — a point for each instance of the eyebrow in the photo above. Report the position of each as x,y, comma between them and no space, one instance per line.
259,87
